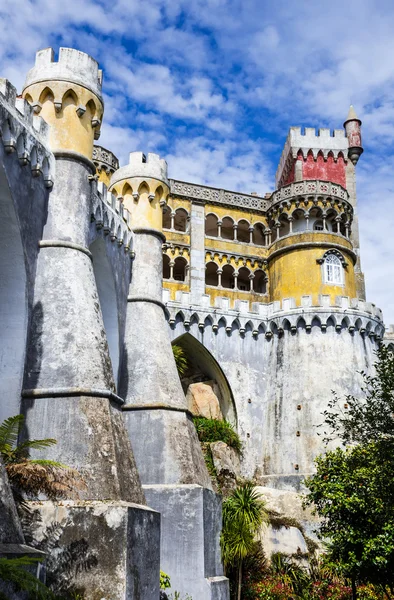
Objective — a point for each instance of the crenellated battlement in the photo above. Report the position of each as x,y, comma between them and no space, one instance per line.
142,166
111,216
72,65
276,317
24,133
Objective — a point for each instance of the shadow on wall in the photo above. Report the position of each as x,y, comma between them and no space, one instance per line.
203,367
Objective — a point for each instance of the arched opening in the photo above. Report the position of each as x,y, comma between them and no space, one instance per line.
167,218
260,282
105,283
166,266
243,281
299,222
180,220
180,265
228,277
204,368
316,219
258,234
243,234
211,225
211,274
318,225
13,305
333,270
284,226
228,228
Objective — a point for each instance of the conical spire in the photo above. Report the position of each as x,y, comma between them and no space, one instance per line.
352,116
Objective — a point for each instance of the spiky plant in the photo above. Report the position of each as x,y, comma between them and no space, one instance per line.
31,477
180,359
13,571
244,513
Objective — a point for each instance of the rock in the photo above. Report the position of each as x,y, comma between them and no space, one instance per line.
225,458
227,466
287,540
203,402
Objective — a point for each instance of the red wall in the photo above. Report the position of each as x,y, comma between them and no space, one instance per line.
327,170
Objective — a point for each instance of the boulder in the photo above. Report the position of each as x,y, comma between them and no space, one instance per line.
227,466
203,402
287,540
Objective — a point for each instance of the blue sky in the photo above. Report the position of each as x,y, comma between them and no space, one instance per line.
214,85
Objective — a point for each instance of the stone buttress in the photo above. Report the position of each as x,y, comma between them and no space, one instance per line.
69,392
165,443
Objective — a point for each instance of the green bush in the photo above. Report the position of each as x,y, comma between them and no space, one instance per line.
213,430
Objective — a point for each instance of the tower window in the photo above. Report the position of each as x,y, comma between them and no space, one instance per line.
333,270
318,226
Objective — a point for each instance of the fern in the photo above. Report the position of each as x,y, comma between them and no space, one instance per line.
180,359
10,450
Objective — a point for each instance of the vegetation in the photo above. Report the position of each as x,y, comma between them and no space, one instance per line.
243,514
213,430
164,581
32,477
353,488
13,571
180,359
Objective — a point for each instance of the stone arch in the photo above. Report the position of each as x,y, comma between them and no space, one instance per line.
211,274
228,277
166,218
243,279
204,367
258,234
180,219
180,268
260,282
166,266
106,290
243,234
228,228
211,225
13,305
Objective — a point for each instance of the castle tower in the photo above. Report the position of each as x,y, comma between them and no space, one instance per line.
68,383
168,453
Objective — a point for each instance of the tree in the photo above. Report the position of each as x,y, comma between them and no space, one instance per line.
243,514
180,359
32,477
353,488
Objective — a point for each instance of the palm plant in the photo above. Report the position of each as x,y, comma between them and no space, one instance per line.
14,572
244,513
180,359
32,477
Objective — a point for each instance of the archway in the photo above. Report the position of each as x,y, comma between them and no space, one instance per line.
107,295
203,367
13,304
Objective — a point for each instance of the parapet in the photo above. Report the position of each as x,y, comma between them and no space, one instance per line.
324,141
149,166
73,66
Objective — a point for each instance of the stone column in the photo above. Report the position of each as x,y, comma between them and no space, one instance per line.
197,252
165,443
355,236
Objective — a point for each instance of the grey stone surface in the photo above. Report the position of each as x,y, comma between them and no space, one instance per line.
140,165
106,550
190,552
286,540
10,527
38,568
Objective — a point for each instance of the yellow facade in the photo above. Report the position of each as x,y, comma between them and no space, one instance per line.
73,112
143,197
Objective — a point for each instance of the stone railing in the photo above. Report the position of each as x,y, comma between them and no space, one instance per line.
218,196
313,187
105,159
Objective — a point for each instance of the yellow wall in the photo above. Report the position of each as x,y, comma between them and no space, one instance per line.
145,205
68,130
296,272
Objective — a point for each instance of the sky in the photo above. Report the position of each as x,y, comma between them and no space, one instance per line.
214,85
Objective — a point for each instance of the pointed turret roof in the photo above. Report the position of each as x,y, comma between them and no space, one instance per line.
352,116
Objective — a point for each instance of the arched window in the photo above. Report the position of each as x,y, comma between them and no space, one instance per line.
180,269
228,277
167,218
258,235
211,274
166,266
180,220
211,225
243,234
260,282
243,281
318,225
228,228
333,270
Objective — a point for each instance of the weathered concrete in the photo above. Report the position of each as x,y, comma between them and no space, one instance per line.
10,527
286,540
190,551
101,550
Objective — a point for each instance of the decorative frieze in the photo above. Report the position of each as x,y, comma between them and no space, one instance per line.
313,186
217,196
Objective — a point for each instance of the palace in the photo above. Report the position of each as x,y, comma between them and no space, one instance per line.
104,266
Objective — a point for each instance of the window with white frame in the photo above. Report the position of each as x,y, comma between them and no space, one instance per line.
333,270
